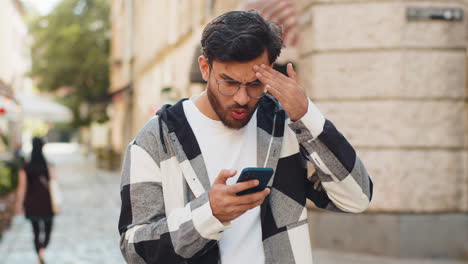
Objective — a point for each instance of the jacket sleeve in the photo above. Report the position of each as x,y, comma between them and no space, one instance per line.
148,235
340,181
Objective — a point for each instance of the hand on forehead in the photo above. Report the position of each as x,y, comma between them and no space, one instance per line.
240,71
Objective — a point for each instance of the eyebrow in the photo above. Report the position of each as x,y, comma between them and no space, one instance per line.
229,78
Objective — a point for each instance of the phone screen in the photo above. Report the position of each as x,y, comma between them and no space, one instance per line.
263,175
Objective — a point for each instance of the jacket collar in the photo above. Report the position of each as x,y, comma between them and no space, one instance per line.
270,129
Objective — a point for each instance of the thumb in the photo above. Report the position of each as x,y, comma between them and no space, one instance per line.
224,175
291,73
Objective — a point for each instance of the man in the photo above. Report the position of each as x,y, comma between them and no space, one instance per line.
179,202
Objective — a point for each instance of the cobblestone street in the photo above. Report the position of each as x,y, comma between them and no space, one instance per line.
86,230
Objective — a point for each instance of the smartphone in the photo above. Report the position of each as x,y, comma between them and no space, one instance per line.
263,175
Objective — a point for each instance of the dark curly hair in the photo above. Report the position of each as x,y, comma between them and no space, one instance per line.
241,36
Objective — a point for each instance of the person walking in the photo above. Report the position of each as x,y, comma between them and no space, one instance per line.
33,197
178,186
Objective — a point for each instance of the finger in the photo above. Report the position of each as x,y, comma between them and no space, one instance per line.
263,69
274,75
238,187
274,91
278,75
267,82
252,198
224,175
291,72
265,79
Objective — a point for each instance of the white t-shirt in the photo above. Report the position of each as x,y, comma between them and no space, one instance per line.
226,148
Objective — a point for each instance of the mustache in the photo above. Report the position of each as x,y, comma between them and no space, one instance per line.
237,106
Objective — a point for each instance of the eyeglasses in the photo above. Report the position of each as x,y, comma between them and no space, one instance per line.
231,87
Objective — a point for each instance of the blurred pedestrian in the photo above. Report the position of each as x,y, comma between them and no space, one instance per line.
33,196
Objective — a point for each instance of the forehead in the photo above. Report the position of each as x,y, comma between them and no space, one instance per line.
240,71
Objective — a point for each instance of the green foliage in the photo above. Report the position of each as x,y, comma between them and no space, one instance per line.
71,52
166,90
8,177
4,139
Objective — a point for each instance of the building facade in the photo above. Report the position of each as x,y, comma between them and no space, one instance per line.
14,65
16,62
392,81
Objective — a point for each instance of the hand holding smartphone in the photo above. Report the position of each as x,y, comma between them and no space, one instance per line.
263,175
228,202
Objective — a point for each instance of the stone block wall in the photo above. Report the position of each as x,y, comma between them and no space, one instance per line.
397,90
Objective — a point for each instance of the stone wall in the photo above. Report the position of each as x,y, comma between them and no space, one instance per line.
397,90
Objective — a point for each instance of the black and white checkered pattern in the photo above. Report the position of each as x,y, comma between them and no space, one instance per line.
166,216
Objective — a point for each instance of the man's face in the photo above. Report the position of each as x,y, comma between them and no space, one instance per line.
234,111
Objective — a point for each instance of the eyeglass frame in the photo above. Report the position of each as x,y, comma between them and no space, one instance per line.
238,87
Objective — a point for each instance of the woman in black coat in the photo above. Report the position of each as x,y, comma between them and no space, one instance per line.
34,198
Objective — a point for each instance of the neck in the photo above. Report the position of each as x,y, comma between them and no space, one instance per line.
203,104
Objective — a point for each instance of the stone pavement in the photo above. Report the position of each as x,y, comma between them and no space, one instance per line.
86,230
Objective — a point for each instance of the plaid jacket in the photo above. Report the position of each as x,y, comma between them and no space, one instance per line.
166,216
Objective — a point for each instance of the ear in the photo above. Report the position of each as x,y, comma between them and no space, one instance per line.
204,67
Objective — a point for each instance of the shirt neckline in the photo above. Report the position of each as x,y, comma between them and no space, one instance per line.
192,107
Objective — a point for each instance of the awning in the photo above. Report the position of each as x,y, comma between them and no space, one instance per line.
34,106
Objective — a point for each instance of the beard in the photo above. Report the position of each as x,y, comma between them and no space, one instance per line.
224,113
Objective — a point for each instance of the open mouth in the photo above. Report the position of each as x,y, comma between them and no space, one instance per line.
239,114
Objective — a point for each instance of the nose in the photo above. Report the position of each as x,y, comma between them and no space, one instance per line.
241,97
